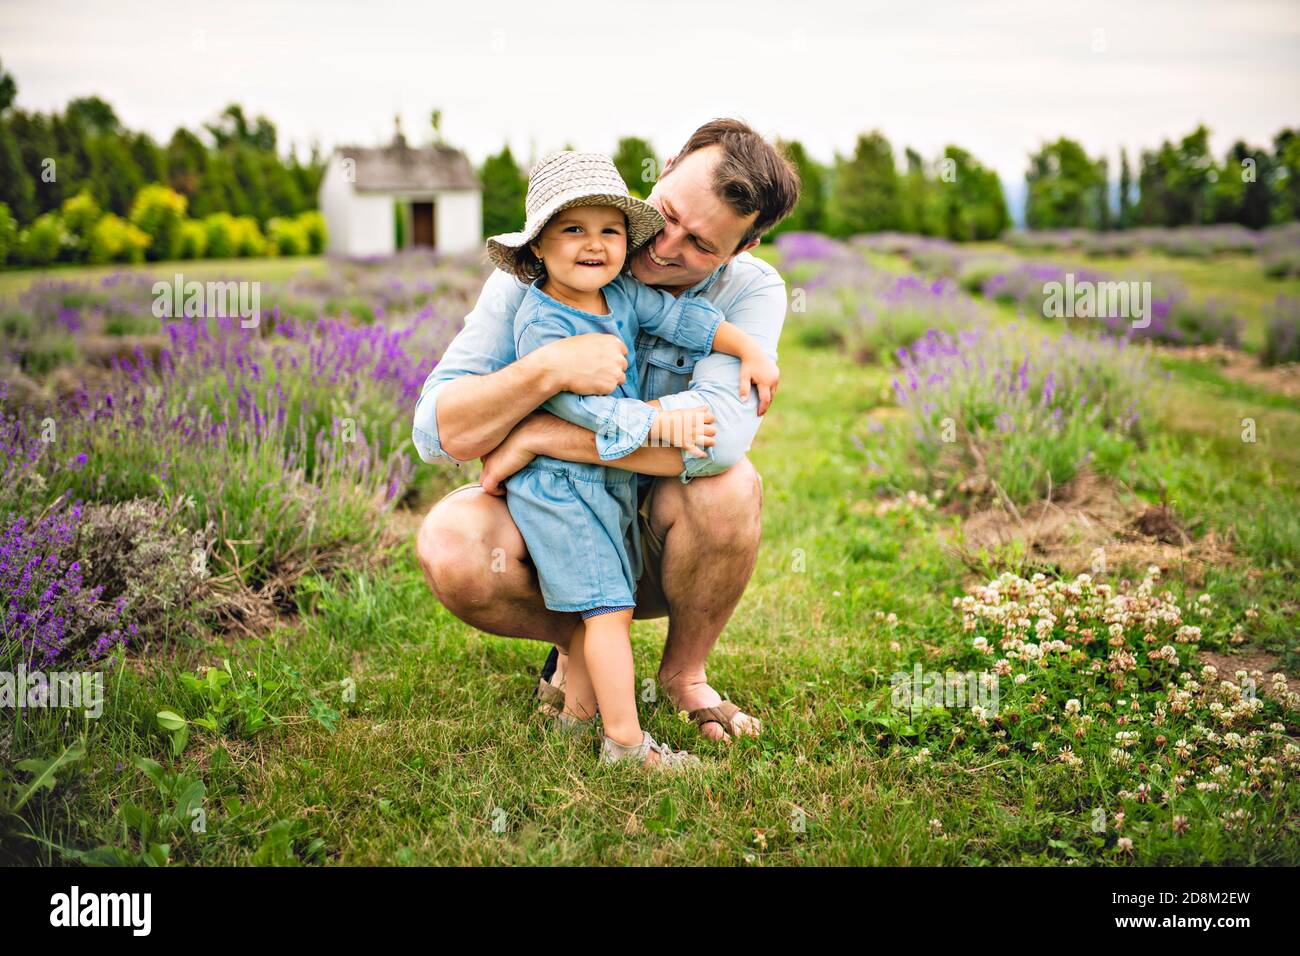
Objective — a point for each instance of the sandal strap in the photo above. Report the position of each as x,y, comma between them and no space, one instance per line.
724,713
573,725
548,693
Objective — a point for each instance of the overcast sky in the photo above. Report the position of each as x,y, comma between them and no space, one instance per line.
995,78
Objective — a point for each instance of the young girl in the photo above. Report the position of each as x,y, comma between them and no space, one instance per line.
579,520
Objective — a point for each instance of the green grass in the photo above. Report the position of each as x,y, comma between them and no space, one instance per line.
14,281
441,759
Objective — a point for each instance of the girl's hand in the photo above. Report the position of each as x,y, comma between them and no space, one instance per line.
762,371
689,428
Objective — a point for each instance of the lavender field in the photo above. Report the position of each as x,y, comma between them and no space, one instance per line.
1088,531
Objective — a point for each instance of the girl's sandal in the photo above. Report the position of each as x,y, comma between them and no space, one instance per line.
669,759
574,726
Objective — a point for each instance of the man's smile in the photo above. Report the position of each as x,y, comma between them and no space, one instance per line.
662,263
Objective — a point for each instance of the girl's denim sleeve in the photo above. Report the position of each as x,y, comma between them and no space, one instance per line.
688,321
620,424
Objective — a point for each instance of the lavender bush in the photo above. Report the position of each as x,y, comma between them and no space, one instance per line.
288,441
1282,334
867,310
49,611
1022,412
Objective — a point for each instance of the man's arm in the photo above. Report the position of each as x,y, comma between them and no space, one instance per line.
544,434
759,311
478,392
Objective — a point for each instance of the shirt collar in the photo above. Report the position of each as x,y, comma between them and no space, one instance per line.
703,285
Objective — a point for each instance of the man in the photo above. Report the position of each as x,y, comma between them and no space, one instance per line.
700,517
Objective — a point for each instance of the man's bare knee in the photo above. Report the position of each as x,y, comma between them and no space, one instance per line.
723,510
463,540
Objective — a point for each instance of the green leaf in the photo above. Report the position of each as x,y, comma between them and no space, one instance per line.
47,771
154,771
169,720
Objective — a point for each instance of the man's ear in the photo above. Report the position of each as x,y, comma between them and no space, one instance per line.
745,248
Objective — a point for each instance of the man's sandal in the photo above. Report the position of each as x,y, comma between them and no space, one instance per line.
552,697
724,715
669,759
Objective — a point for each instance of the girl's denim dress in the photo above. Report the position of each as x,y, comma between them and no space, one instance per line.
579,519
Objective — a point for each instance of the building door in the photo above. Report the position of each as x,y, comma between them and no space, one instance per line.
422,225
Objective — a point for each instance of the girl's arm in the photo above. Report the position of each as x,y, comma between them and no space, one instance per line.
621,425
696,324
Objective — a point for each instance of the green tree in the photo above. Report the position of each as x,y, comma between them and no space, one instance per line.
1176,182
158,212
635,161
1066,189
93,115
970,201
1286,175
917,198
17,189
1243,191
186,160
149,158
8,89
1125,192
865,197
809,213
504,189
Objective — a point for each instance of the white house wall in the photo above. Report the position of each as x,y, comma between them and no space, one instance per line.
459,225
370,225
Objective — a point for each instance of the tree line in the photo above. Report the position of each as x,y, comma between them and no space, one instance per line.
1177,184
77,185
954,196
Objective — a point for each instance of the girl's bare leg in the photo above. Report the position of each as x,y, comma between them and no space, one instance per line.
607,653
579,697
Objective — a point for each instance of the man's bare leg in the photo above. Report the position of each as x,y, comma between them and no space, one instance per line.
711,529
475,560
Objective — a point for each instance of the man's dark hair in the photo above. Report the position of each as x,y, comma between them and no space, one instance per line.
751,175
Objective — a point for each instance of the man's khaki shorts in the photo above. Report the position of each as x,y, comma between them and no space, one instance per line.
650,600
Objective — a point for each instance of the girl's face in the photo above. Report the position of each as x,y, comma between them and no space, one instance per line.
583,246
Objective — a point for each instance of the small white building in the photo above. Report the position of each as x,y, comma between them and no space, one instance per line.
429,196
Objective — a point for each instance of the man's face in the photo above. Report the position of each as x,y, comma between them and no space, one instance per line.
701,231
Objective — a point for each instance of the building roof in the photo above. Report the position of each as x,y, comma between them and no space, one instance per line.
399,167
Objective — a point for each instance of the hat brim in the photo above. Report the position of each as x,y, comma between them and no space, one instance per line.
643,221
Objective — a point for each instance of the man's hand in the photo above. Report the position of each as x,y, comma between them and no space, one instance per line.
594,363
507,458
762,371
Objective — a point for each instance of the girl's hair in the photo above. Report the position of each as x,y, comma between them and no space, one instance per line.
526,267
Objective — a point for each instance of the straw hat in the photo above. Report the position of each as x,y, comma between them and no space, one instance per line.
565,179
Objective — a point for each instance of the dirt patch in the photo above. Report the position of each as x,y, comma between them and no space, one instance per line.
1243,367
1259,665
1090,525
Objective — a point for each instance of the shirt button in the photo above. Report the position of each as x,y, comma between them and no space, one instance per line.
680,361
